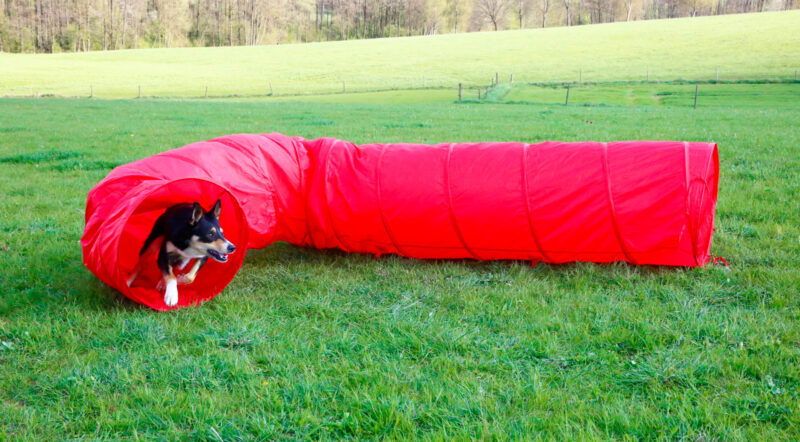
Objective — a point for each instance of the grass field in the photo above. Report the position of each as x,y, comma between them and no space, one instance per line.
321,344
747,46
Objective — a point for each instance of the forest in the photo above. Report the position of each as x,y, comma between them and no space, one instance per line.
51,26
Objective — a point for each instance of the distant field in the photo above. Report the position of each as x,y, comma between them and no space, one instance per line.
765,45
308,344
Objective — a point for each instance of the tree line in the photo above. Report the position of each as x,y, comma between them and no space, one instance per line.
91,25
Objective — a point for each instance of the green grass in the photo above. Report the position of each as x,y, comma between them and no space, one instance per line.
322,344
747,46
772,96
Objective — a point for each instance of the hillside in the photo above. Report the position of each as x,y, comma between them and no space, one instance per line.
765,45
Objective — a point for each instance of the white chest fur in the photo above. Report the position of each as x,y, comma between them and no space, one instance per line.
186,255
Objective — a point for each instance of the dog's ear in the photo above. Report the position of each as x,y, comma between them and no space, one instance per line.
197,213
217,208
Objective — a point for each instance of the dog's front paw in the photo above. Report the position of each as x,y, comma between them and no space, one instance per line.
171,294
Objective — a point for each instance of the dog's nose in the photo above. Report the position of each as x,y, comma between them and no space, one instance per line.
231,248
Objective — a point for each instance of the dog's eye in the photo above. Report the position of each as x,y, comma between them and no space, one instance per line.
210,236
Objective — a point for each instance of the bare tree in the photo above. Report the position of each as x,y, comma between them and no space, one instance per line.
523,9
544,6
566,8
454,10
492,11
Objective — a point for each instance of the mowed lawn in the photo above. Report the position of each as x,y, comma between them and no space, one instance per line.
322,344
745,46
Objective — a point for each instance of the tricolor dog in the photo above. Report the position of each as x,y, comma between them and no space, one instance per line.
190,233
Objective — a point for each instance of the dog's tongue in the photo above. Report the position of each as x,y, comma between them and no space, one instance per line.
218,256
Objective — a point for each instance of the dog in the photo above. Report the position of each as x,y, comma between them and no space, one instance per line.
190,233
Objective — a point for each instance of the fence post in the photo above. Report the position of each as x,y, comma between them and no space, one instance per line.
580,75
140,91
648,75
424,83
270,88
479,93
566,102
717,74
695,95
206,91
511,79
344,87
496,78
91,91
459,91
795,75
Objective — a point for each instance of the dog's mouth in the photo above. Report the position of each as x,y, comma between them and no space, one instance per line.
220,257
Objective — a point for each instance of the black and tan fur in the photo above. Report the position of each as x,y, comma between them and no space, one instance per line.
190,233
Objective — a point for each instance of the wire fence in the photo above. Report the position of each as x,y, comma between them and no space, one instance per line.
469,91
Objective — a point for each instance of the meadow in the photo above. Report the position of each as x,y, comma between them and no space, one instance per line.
745,46
321,344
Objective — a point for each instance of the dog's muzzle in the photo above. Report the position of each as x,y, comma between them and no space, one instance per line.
220,256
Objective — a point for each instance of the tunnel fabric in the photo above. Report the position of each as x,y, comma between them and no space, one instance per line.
644,202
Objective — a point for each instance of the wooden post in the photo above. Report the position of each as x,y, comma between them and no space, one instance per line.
479,93
717,74
566,102
648,75
424,83
140,91
344,87
496,78
511,79
91,91
580,75
270,88
206,91
695,95
459,91
795,75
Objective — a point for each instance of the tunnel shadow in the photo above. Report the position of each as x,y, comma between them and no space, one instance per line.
101,297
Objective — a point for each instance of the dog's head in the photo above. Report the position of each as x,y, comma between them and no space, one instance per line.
206,235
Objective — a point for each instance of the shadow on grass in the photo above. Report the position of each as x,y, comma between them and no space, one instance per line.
339,260
88,292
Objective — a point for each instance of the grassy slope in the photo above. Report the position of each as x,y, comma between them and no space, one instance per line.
319,343
743,46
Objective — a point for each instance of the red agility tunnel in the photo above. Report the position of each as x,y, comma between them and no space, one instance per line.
644,202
